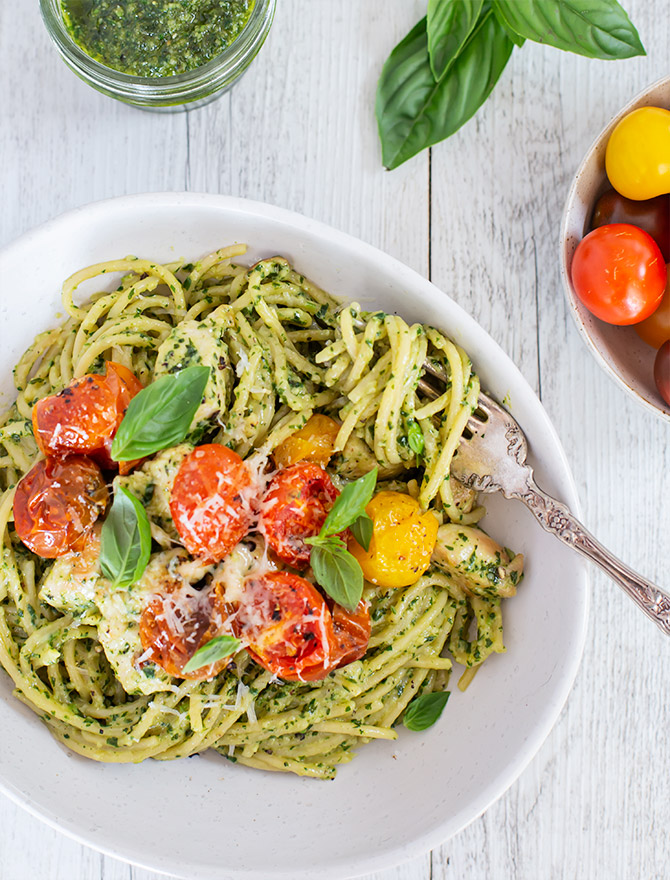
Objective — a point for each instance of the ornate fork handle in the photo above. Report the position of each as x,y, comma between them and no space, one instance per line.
555,517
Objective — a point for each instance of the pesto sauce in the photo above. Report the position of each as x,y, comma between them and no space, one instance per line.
155,38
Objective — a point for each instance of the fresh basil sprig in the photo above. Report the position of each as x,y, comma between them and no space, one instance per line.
125,540
424,711
449,23
439,75
594,28
160,415
338,572
335,569
213,651
362,530
350,504
415,438
414,110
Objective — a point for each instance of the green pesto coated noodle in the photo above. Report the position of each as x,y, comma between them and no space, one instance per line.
280,350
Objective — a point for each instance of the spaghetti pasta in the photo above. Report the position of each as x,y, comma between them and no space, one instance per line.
280,349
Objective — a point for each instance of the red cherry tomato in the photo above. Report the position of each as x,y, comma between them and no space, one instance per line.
652,215
619,274
174,625
210,502
84,417
57,503
662,371
655,329
294,508
351,632
287,626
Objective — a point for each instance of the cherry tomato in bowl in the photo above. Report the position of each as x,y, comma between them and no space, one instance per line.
57,503
619,274
295,506
210,501
655,329
636,158
652,215
662,371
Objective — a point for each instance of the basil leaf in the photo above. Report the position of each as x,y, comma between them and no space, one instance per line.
415,438
424,711
212,651
514,37
160,415
413,111
362,530
449,24
594,28
125,540
338,572
350,504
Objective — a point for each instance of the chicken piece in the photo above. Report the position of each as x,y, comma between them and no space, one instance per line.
475,562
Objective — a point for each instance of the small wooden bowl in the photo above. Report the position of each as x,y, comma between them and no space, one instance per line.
618,350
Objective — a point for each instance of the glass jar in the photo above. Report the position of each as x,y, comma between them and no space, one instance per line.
191,89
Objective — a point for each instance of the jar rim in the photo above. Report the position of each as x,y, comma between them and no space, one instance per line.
215,73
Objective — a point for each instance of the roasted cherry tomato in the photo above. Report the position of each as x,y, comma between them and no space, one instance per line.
57,503
637,154
210,501
351,633
655,329
83,418
403,540
287,626
652,215
314,442
662,371
294,508
619,274
174,624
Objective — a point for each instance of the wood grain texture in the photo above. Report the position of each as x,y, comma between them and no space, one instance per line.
483,218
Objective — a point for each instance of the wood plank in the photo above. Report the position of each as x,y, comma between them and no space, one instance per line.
590,802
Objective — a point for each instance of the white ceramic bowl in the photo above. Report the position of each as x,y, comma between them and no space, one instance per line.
618,350
206,818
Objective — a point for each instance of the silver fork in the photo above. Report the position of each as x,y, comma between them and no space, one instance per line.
493,459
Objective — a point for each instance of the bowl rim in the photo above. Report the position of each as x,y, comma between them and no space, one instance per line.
565,268
434,836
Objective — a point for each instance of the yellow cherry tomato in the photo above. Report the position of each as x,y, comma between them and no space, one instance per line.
314,442
638,154
403,540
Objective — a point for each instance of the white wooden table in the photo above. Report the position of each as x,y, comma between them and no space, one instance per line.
480,216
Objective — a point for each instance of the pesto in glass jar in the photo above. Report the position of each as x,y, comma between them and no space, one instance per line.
155,38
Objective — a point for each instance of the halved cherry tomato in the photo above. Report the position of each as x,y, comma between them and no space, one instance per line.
351,632
655,329
403,540
652,215
314,442
287,626
174,625
294,508
618,272
210,502
84,417
57,503
662,371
